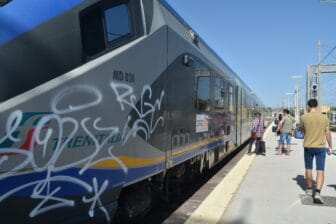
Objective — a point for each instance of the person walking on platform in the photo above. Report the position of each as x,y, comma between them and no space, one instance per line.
257,130
285,127
315,128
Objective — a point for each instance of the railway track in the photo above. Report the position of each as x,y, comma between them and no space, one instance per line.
165,211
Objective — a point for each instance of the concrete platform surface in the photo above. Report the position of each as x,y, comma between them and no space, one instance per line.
273,190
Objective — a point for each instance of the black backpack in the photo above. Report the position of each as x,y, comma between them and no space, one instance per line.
276,121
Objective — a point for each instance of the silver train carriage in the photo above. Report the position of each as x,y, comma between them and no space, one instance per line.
103,103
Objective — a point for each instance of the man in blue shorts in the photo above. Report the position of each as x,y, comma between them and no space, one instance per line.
315,127
285,126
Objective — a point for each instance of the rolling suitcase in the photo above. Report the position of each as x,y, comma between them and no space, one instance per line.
262,147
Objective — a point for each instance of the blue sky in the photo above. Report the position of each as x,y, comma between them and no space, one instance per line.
266,42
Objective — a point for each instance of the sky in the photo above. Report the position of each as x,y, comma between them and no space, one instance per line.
266,42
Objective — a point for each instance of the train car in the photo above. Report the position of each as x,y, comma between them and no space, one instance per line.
107,104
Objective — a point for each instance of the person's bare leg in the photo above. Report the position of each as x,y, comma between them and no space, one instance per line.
319,179
309,178
280,149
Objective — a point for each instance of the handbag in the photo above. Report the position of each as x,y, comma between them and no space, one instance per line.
253,135
262,147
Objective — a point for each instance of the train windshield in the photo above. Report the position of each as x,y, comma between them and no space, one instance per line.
61,42
117,22
103,27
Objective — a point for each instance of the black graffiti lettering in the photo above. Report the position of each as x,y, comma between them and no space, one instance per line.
118,75
123,76
129,77
55,143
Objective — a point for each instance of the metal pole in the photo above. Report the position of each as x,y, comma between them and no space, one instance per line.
297,98
297,112
308,84
319,84
288,99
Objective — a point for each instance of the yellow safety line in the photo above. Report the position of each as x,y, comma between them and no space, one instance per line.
213,207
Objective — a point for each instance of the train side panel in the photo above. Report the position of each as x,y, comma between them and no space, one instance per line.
96,117
68,146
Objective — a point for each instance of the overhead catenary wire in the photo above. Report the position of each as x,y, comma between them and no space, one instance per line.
329,91
327,55
328,1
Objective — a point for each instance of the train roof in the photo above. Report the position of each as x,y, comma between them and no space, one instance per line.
211,51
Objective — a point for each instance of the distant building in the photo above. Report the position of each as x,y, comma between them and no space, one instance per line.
325,109
333,116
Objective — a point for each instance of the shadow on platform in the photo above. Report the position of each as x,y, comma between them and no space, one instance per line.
301,181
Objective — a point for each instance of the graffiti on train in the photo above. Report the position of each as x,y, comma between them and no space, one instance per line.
44,148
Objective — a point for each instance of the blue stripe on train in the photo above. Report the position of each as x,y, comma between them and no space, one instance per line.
20,16
70,182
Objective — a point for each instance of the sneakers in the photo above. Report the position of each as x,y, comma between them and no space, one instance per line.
309,192
318,198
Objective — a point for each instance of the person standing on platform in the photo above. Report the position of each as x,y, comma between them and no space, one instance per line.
257,130
315,128
278,132
285,127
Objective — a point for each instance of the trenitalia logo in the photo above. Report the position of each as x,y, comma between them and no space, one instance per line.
21,127
27,118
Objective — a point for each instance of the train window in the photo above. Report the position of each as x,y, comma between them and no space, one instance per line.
107,25
92,31
203,93
219,94
116,22
231,107
202,85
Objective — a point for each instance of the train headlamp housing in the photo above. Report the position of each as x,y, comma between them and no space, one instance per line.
188,60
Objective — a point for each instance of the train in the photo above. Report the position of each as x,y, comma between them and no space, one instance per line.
106,105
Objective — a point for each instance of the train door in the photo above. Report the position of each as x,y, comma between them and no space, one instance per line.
239,118
189,106
204,128
179,96
220,122
231,115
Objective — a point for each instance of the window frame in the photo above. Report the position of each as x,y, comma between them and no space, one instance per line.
200,66
218,91
130,28
135,25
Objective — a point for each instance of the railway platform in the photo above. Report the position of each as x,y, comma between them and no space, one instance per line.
262,189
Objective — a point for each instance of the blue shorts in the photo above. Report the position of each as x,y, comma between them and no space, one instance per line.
285,137
320,156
